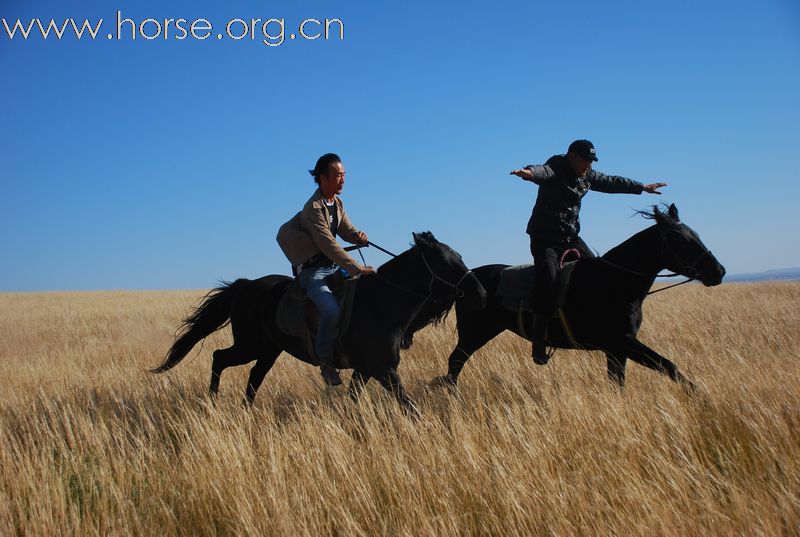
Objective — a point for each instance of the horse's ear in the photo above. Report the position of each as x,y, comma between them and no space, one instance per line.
424,237
673,212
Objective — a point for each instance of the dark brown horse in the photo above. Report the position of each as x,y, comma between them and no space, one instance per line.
384,306
604,302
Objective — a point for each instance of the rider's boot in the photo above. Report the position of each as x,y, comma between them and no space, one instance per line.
329,374
539,337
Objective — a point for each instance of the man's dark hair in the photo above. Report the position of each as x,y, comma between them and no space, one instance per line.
322,165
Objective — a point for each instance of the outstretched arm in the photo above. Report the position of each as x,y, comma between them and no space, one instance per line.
615,184
652,188
524,173
535,174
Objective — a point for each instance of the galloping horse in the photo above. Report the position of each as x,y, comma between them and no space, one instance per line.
384,306
603,305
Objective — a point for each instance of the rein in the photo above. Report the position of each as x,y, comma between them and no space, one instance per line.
459,293
664,242
670,286
636,272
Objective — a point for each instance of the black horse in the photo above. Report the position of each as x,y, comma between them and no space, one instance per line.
384,306
603,304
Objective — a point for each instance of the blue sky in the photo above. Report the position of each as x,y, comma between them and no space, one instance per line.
170,164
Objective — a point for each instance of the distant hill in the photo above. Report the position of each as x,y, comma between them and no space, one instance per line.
775,274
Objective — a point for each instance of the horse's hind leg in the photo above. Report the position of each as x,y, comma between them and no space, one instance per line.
616,368
391,382
264,363
223,359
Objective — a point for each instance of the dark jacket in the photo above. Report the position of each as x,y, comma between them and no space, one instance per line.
555,215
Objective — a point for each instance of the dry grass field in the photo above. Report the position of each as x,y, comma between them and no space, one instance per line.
93,444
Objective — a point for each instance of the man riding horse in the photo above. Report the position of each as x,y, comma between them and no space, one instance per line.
309,241
554,224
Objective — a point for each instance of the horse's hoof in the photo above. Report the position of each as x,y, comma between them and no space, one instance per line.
443,381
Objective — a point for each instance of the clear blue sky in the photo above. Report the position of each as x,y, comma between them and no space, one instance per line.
171,164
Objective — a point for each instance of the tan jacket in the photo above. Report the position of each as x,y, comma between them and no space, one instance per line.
308,233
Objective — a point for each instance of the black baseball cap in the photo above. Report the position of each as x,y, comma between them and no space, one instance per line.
584,148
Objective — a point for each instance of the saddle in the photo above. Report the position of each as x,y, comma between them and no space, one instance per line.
298,316
516,284
516,288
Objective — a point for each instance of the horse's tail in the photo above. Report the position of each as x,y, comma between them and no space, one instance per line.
210,316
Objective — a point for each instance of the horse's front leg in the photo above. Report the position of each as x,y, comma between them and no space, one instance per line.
641,353
390,380
474,331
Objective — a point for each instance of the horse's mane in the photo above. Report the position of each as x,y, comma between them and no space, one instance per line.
422,240
658,214
666,216
418,324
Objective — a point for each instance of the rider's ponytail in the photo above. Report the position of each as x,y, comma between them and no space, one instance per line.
323,163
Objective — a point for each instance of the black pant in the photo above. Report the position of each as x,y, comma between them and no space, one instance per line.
546,257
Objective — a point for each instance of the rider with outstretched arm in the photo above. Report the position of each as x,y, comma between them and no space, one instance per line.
554,224
309,241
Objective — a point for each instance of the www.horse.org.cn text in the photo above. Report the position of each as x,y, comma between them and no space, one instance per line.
271,32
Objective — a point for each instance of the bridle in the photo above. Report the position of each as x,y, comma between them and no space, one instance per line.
694,274
690,268
458,292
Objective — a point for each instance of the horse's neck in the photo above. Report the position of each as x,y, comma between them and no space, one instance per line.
405,271
400,285
641,252
398,267
641,256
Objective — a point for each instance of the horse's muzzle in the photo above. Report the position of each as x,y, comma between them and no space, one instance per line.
713,275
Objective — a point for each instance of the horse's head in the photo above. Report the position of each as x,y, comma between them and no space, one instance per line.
682,250
449,276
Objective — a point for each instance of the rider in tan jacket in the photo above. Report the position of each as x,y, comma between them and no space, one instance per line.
309,241
308,234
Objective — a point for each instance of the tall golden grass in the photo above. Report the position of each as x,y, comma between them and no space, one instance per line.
93,444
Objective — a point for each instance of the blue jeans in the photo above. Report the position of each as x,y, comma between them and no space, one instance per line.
313,281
